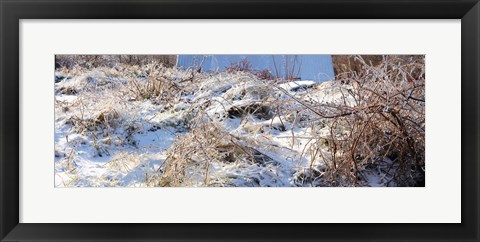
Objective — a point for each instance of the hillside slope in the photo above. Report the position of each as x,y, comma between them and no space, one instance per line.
149,126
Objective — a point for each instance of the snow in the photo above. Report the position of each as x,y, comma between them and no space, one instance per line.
295,85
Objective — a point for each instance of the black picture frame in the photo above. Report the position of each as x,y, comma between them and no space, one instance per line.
12,11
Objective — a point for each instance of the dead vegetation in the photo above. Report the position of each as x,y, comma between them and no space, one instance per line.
154,85
377,125
204,156
209,153
189,159
93,61
370,121
380,119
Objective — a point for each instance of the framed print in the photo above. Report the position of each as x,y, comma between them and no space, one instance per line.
239,120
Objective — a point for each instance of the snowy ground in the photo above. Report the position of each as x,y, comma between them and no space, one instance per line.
107,137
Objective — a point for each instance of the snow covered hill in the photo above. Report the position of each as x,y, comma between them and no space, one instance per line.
150,126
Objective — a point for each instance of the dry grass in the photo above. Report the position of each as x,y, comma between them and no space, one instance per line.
194,159
156,85
371,119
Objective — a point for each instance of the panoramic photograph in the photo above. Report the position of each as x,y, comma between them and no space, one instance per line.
239,120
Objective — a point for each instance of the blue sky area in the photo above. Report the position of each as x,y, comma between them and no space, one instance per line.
306,67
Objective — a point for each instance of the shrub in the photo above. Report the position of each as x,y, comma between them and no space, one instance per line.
264,75
243,65
379,119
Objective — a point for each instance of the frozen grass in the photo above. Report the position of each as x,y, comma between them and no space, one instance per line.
148,126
